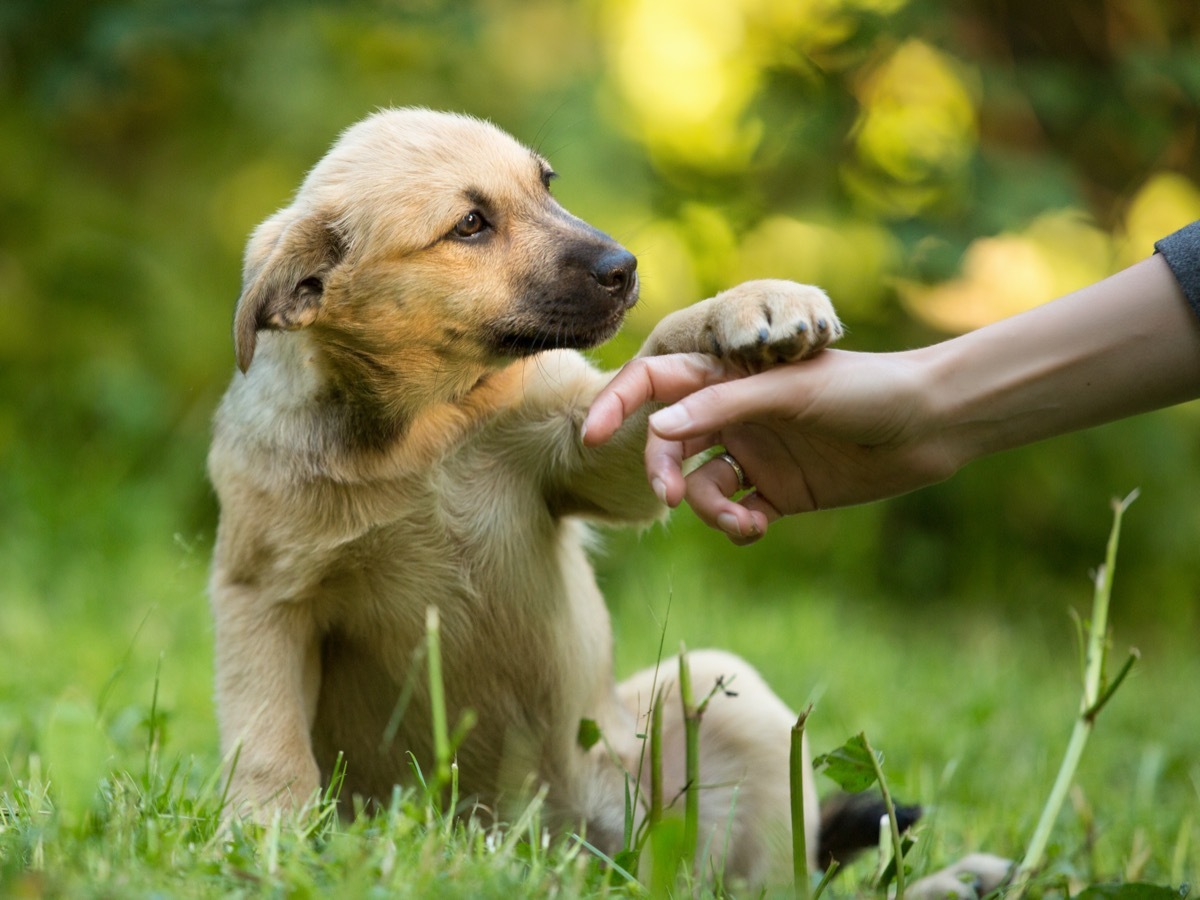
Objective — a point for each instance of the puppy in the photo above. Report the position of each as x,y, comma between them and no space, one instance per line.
403,433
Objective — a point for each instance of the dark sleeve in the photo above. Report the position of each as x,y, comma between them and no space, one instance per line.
1181,250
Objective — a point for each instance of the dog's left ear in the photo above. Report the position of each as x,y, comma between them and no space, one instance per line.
284,278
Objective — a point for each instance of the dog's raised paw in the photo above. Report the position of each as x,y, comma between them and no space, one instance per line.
765,322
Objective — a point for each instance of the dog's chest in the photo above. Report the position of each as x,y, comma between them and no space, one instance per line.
476,542
523,629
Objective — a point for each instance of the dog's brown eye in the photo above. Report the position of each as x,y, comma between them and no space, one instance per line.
470,224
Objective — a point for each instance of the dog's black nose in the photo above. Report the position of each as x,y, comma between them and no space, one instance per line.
616,271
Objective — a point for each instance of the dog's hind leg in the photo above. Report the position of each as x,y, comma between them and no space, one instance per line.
745,733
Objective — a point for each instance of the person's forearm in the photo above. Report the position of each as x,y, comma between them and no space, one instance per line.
1126,345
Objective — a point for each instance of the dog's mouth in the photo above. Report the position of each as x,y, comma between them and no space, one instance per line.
528,341
563,329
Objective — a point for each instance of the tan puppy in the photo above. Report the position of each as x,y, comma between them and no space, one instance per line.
404,433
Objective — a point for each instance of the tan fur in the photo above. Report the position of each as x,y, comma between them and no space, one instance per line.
379,454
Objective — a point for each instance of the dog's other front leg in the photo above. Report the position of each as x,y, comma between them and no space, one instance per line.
267,679
606,482
756,324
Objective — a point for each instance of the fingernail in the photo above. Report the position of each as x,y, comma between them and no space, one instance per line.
660,489
671,418
728,523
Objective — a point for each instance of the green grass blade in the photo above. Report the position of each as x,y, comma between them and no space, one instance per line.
796,793
1094,697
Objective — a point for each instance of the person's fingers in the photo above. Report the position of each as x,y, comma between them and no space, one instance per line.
759,506
709,492
661,378
664,464
722,403
664,469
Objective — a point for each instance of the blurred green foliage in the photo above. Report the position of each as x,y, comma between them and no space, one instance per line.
933,165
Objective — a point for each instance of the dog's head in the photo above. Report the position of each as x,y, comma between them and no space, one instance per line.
429,241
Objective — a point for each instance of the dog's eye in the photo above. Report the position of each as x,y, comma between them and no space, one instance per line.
470,224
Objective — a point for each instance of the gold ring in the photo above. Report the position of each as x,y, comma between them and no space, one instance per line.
737,469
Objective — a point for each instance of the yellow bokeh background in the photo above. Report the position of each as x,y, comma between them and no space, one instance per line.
684,76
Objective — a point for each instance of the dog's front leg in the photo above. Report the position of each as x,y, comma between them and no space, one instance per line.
756,323
606,482
268,676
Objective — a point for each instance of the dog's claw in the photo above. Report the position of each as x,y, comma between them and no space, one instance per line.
767,322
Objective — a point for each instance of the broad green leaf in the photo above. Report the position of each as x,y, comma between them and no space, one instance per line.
849,765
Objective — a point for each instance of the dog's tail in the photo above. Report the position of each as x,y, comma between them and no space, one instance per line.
850,824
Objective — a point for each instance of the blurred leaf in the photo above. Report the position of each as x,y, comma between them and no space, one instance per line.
589,734
849,765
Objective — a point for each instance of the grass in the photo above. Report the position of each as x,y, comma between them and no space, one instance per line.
107,784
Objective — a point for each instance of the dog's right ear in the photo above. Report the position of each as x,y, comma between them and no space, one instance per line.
284,278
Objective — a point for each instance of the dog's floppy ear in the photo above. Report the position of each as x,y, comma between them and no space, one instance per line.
284,278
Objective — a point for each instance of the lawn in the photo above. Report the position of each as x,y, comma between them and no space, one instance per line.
110,786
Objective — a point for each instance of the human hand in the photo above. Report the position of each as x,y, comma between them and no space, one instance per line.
835,430
844,428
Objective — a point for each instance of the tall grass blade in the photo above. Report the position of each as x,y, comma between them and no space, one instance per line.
1095,695
691,730
893,822
800,878
656,759
437,699
826,878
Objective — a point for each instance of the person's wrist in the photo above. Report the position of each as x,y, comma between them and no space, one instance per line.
944,417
